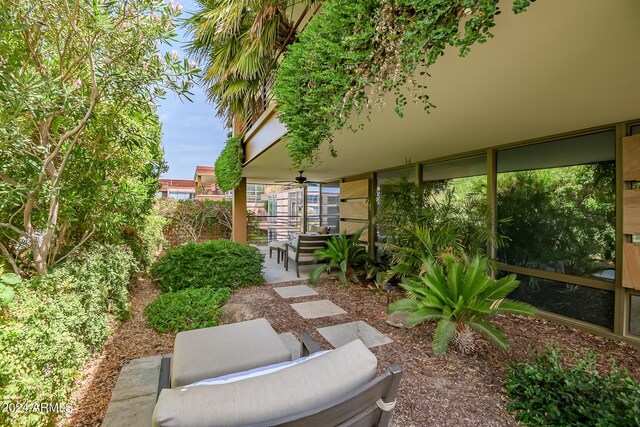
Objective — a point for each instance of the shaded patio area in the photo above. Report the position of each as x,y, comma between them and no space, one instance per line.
274,272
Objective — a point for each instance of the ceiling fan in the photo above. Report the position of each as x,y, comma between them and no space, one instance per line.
297,180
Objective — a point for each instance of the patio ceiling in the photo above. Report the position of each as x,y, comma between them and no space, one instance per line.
561,66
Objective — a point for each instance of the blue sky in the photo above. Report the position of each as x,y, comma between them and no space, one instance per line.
191,133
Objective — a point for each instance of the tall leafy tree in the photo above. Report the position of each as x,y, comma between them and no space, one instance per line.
237,41
79,133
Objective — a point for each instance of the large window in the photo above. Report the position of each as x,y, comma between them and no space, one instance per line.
450,203
556,206
459,198
396,200
181,195
556,210
313,205
634,314
330,206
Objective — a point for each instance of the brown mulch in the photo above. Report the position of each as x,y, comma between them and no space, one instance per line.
449,390
131,340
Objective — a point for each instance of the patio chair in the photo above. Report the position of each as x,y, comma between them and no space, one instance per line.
301,250
337,387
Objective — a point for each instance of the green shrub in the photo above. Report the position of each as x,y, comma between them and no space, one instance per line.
102,276
187,309
7,281
146,241
214,264
546,392
54,323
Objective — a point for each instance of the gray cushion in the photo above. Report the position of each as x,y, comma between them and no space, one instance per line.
278,244
309,385
319,230
213,352
302,257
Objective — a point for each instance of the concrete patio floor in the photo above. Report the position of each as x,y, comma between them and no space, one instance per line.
275,273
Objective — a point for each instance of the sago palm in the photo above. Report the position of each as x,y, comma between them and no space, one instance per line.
236,42
458,293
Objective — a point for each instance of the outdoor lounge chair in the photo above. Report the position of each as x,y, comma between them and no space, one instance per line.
338,387
301,249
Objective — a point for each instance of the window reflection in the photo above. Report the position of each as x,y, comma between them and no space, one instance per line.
634,315
578,302
557,215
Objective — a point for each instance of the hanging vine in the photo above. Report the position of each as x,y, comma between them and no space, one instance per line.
355,52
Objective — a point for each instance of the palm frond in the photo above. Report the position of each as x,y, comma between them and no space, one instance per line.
490,332
237,41
501,288
422,315
407,304
436,282
515,307
415,288
314,276
445,332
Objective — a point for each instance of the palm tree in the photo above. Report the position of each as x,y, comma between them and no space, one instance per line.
460,295
237,42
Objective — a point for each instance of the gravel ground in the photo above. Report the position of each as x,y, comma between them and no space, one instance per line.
449,390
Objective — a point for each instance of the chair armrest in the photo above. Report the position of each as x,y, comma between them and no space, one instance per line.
308,345
165,375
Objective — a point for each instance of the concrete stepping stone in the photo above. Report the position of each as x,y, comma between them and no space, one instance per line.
134,395
339,335
315,309
295,291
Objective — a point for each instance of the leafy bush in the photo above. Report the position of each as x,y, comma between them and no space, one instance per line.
187,220
54,323
146,242
7,281
102,275
187,309
214,264
229,164
343,252
548,392
460,295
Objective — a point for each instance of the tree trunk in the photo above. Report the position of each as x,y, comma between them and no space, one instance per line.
39,259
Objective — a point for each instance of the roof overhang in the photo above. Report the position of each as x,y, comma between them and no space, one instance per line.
562,66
